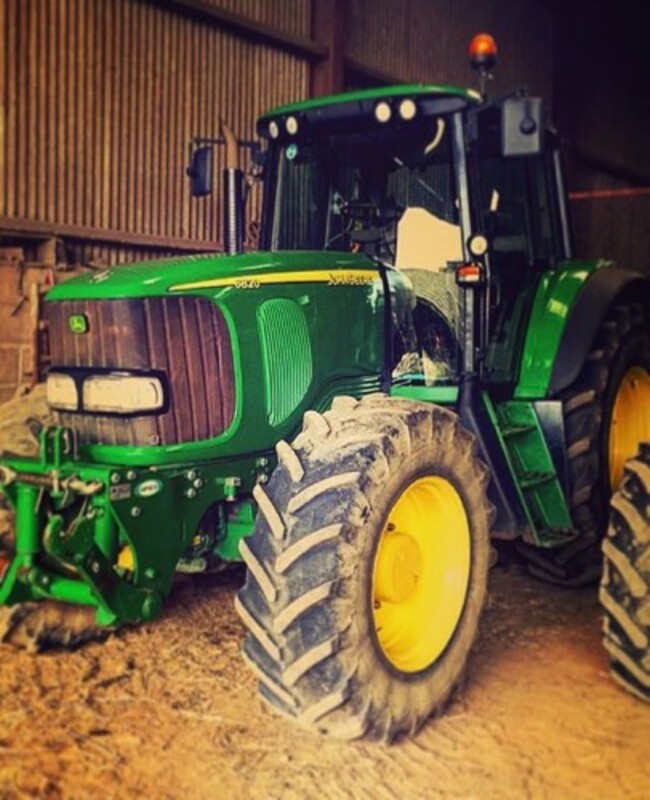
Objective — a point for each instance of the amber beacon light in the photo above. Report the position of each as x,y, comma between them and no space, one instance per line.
483,56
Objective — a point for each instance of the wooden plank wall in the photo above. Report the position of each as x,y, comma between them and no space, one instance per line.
99,98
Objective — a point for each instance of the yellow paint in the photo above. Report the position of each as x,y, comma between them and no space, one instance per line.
630,424
342,277
421,574
125,559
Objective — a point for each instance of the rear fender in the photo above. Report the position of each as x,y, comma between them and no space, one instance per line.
569,308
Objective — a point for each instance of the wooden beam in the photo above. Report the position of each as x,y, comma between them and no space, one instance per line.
328,18
245,27
85,233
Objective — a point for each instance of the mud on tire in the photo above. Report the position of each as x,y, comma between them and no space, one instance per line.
625,585
307,600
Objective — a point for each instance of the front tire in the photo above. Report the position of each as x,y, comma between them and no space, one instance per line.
367,569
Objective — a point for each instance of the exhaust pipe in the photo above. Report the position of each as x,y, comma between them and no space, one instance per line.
233,195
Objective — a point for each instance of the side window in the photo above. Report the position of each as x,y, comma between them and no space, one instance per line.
516,207
505,207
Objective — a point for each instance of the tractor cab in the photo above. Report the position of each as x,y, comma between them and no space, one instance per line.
433,182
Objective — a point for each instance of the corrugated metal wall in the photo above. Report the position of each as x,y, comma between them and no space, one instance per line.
99,98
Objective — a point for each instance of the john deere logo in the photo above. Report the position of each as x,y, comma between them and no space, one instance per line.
78,323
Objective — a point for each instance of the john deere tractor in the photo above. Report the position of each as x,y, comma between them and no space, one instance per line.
414,361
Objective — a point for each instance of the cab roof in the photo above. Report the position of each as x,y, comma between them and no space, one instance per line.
434,99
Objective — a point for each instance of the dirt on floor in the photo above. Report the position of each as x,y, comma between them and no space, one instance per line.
169,710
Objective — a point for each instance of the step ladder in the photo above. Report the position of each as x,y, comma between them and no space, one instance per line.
539,486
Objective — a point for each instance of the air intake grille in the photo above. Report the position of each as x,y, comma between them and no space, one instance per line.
286,349
184,337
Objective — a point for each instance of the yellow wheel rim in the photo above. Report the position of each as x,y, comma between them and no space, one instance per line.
421,574
630,423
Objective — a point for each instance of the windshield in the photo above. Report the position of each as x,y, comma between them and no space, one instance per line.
349,191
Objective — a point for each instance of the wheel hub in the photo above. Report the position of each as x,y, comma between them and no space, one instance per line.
398,568
421,574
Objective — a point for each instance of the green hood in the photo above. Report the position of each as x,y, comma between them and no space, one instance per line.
201,272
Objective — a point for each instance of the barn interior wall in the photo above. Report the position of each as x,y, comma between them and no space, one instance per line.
99,99
426,40
602,107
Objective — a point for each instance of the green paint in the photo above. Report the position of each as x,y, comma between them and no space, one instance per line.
63,589
443,395
158,277
87,532
78,323
555,298
241,520
27,543
527,453
286,355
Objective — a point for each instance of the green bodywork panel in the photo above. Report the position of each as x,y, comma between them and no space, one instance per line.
330,360
556,294
470,96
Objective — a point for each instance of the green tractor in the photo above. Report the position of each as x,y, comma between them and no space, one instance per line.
412,363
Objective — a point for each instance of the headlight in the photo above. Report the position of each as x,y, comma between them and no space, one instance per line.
122,394
292,126
62,392
274,130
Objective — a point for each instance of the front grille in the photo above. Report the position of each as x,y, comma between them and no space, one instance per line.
184,337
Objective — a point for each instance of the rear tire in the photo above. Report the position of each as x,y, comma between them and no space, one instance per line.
312,601
622,343
625,586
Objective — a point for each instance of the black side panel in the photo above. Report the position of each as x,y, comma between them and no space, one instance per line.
606,287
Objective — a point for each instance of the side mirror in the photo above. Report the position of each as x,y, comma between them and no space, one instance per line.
522,126
200,172
258,155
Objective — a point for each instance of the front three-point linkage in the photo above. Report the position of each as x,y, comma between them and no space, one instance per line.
83,535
